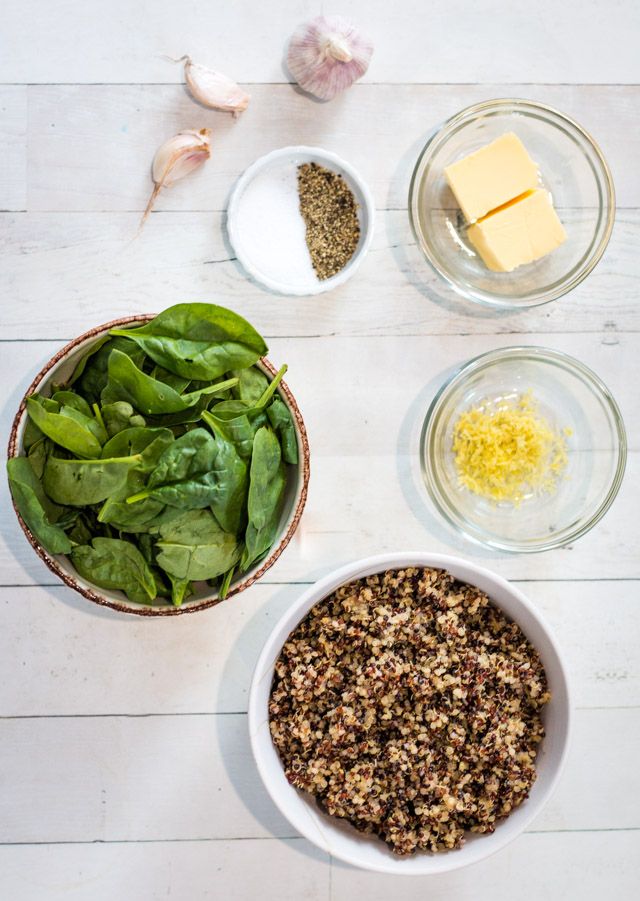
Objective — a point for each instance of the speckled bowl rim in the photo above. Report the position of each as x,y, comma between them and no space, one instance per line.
302,488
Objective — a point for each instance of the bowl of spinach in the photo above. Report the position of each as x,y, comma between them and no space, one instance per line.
159,464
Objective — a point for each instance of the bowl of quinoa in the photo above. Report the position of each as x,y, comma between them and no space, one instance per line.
410,713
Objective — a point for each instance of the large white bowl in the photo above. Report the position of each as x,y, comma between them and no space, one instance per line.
337,837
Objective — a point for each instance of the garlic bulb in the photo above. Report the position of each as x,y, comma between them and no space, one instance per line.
213,89
176,158
327,54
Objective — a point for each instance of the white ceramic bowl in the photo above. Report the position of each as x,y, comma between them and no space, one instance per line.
250,231
337,837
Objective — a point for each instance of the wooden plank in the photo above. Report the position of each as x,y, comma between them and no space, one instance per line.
90,147
289,870
363,505
188,777
13,147
448,40
580,865
588,866
366,494
56,643
64,272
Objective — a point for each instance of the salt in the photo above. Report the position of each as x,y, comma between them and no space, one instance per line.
270,228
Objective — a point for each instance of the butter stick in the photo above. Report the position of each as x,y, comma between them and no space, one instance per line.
492,176
519,232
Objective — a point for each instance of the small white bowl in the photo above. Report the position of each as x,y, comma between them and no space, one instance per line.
337,837
246,231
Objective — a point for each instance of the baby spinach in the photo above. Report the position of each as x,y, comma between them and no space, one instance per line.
93,376
34,507
229,499
113,563
159,462
148,395
198,340
195,547
80,483
281,421
119,416
266,493
252,383
73,436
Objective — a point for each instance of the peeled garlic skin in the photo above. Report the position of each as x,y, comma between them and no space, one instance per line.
327,54
213,89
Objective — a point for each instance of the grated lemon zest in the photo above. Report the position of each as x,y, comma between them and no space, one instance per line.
506,450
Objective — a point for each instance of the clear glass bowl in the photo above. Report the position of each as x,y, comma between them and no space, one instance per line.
572,168
568,396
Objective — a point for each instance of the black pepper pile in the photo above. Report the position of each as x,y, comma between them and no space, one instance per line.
330,214
410,706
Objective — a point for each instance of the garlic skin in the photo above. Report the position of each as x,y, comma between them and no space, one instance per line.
327,54
213,89
176,158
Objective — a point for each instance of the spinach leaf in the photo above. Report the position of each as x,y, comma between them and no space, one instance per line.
93,425
149,444
37,455
31,502
239,431
134,518
71,399
281,421
225,584
148,395
198,340
266,494
120,416
94,377
73,436
229,499
79,483
194,547
114,563
177,382
183,476
180,589
252,383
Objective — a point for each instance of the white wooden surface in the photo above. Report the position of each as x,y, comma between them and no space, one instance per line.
125,769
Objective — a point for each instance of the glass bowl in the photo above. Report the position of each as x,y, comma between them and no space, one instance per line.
572,168
569,396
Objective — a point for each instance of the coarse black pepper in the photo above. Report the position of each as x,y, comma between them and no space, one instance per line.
330,214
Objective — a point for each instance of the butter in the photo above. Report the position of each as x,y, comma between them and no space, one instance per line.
492,176
518,232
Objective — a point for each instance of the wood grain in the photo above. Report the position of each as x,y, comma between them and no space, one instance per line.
64,272
152,871
379,129
60,645
443,41
187,777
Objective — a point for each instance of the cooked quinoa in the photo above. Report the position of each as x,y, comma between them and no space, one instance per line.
409,705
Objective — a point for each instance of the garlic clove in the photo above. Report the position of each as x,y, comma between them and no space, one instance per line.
213,89
327,54
176,158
